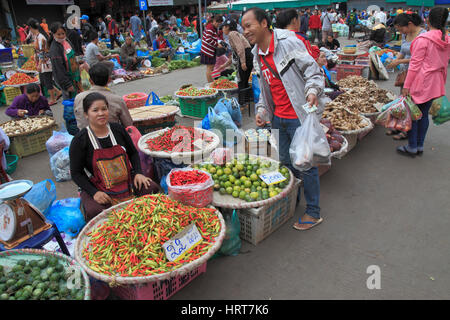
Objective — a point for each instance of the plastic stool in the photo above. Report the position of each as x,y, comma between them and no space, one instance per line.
39,240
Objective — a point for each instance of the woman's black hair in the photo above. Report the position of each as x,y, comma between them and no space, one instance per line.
34,24
260,15
438,19
32,88
54,28
231,24
403,19
285,17
91,98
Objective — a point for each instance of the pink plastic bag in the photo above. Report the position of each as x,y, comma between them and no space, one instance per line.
146,160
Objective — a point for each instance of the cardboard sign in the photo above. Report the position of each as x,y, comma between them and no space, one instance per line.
178,246
272,177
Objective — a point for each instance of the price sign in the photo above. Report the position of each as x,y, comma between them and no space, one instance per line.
272,178
184,241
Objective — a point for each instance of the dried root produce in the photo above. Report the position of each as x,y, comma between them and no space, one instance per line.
343,120
23,126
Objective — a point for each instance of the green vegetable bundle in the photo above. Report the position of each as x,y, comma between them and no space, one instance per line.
157,62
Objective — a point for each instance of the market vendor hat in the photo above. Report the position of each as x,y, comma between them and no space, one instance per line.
84,17
230,23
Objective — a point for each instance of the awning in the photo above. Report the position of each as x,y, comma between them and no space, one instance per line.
419,3
271,5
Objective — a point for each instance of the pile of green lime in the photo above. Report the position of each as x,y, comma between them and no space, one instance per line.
240,178
38,279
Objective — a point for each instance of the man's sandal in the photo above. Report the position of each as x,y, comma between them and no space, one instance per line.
313,224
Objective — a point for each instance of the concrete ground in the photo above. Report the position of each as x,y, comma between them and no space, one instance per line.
379,208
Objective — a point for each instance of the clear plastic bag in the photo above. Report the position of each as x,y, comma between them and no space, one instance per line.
67,216
309,147
196,195
221,156
415,112
60,165
42,195
59,140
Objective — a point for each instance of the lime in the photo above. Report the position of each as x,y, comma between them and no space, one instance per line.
258,172
248,173
265,196
256,183
215,176
238,182
237,188
235,170
254,195
240,167
243,178
242,173
242,195
263,184
222,191
282,185
248,198
227,171
222,184
247,183
254,177
272,194
219,172
229,190
232,179
249,167
258,188
212,170
235,194
247,190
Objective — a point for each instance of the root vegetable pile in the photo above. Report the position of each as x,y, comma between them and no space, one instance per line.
23,126
177,139
342,119
129,243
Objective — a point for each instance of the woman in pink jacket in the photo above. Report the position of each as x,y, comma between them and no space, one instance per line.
427,74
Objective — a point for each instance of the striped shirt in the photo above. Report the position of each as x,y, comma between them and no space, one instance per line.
209,41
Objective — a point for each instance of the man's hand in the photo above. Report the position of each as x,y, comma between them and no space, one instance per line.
21,113
102,198
259,121
312,99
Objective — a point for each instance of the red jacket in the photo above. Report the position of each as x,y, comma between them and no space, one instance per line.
110,29
314,22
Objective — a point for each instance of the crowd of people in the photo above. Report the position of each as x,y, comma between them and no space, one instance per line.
292,70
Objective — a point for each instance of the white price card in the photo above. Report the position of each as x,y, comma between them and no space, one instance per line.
184,241
272,177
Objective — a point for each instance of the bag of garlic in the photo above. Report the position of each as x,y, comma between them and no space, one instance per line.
309,146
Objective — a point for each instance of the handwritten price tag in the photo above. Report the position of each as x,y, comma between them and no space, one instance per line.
272,177
184,241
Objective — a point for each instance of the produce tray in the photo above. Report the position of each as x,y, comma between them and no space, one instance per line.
83,239
231,90
197,97
258,223
10,258
178,155
229,202
28,71
20,85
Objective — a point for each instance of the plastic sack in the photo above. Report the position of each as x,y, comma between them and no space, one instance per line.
42,195
85,83
404,124
155,100
59,140
121,38
221,156
416,114
231,106
69,117
205,123
120,72
163,184
231,245
141,53
224,124
398,110
60,165
390,104
145,159
197,195
309,146
116,64
67,216
256,88
440,110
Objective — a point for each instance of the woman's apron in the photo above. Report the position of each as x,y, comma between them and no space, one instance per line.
111,169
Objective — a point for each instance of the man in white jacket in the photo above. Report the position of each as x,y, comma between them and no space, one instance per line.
381,16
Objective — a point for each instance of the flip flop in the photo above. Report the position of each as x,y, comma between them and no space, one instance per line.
402,150
307,222
400,136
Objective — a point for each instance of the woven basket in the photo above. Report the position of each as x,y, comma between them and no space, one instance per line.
352,135
135,102
227,201
9,257
83,239
181,156
342,152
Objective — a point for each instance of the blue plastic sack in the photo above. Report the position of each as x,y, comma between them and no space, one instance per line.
67,216
155,100
205,123
256,88
163,185
42,195
232,107
195,47
141,53
69,117
116,64
222,123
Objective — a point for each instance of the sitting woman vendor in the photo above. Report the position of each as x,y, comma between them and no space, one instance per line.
107,153
324,64
31,103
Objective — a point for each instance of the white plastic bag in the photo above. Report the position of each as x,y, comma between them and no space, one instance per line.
309,147
60,165
59,140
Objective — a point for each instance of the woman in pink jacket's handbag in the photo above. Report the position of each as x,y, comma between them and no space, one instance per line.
427,74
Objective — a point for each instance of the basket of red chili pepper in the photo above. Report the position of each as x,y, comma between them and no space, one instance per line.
19,79
179,143
191,187
123,245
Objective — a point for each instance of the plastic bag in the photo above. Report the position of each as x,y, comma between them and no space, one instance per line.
163,184
67,216
404,124
121,38
59,140
309,146
85,83
116,64
390,104
196,195
205,123
69,117
231,245
440,110
415,112
155,100
120,72
224,124
398,110
141,53
42,195
145,159
60,165
221,156
256,88
232,107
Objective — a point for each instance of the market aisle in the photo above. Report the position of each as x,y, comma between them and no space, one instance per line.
379,209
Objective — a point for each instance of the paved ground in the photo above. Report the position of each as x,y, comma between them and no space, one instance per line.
379,209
